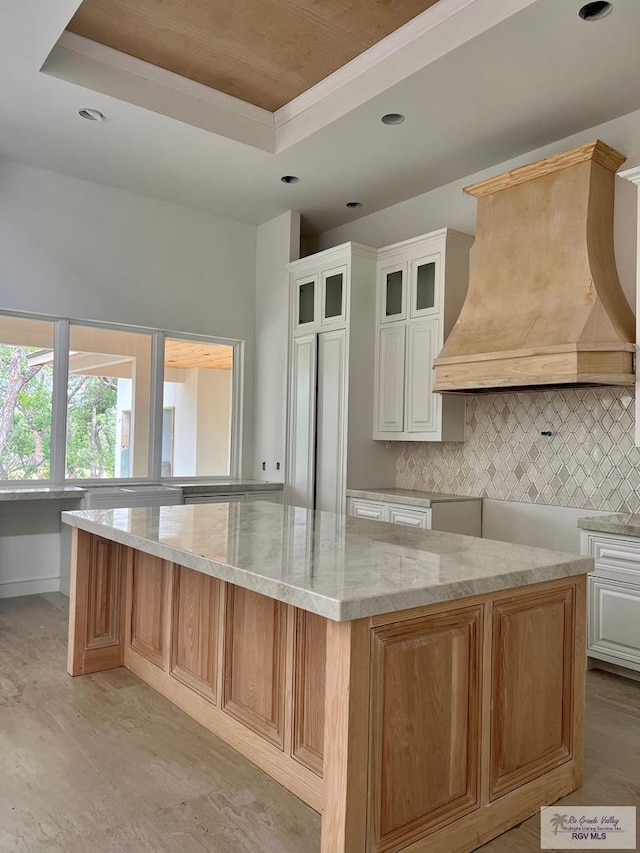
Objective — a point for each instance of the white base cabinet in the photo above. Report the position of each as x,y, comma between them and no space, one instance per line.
613,635
464,517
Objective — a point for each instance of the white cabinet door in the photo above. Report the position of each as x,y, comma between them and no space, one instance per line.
330,429
302,425
389,396
409,516
373,510
614,623
423,406
333,296
425,286
392,293
305,298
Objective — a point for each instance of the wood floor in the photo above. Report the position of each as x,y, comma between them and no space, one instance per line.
103,764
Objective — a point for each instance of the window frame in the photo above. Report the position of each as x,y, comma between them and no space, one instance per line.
61,335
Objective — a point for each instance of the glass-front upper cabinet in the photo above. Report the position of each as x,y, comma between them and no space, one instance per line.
305,301
425,273
393,293
333,296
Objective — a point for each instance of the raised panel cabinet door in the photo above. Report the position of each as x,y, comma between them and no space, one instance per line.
531,687
150,576
302,421
614,623
372,510
330,422
194,630
309,689
389,397
254,662
104,623
425,718
423,406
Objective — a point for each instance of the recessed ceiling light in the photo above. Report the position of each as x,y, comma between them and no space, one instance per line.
92,115
354,204
392,118
595,11
289,179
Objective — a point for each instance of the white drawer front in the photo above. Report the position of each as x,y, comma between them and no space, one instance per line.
616,557
614,624
373,510
410,516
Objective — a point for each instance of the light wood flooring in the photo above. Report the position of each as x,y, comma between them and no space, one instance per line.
103,764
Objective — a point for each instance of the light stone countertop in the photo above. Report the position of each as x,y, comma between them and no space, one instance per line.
409,497
622,523
227,486
38,493
339,567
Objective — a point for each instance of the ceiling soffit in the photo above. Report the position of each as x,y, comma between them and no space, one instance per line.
265,52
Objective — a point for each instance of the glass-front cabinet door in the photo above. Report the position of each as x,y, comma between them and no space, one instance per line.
425,280
333,296
305,296
393,293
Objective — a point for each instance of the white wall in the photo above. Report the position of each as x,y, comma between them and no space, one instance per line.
73,248
278,243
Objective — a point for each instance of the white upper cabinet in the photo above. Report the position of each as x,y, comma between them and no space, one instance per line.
320,298
305,299
425,286
333,296
392,293
421,287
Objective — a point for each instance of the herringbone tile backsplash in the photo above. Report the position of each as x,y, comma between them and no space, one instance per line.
589,461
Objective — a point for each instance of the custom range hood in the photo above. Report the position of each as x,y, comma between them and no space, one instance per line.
544,306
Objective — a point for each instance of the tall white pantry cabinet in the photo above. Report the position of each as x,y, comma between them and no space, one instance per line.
422,284
331,379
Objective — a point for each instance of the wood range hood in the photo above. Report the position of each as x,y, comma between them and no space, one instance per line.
544,307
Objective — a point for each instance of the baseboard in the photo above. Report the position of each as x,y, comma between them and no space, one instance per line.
12,589
613,668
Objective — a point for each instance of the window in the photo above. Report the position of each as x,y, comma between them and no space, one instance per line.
108,403
26,392
198,390
82,401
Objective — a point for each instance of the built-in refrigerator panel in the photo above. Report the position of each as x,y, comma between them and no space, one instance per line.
302,420
330,486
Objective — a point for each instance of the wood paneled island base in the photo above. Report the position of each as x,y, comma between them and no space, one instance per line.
429,729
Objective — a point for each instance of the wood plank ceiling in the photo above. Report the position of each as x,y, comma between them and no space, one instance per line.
184,355
265,52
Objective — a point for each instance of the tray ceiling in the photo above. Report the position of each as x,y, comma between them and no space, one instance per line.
265,52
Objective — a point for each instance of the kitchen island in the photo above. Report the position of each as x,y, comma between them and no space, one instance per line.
424,691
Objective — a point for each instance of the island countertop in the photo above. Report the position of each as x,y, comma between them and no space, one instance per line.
338,567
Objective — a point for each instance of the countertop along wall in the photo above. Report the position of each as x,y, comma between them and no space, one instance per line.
72,248
590,465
